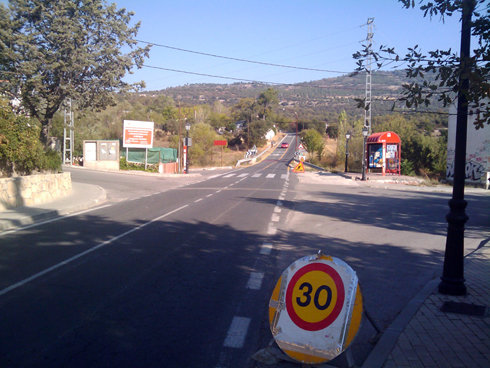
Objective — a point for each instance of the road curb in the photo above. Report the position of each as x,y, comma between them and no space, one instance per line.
388,340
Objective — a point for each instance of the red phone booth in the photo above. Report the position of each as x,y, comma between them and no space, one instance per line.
384,153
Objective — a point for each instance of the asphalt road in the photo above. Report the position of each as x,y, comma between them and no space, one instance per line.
174,278
175,275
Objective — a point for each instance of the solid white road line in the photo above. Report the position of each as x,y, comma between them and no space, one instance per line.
235,338
82,254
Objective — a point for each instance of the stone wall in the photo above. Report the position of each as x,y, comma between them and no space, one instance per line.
33,189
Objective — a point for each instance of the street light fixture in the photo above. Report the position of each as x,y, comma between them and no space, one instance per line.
347,137
365,131
187,128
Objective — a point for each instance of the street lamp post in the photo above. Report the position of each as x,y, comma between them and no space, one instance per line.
452,280
347,137
187,128
365,131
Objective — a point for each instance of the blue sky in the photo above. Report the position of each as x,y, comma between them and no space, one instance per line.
319,34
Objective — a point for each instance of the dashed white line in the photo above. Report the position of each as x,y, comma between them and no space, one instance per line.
277,209
235,338
209,195
275,217
266,249
198,200
270,176
284,176
271,230
228,176
242,175
256,175
255,280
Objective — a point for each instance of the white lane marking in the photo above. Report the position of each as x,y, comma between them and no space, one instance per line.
84,253
256,175
284,176
277,209
198,200
281,197
270,176
235,338
266,249
255,280
275,217
242,175
271,230
209,195
229,175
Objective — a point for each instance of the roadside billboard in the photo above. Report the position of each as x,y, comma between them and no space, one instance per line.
138,134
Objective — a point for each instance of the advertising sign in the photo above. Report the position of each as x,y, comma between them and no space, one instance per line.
316,308
138,134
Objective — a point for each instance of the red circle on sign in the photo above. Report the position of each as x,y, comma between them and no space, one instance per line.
327,321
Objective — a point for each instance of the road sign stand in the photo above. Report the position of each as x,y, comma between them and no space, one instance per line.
272,354
315,310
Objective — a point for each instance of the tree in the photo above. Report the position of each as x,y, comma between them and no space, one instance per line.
53,50
313,141
265,100
203,137
21,153
439,70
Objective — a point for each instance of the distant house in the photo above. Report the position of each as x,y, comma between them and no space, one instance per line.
240,124
270,134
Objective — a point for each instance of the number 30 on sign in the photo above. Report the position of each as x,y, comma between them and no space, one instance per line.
316,308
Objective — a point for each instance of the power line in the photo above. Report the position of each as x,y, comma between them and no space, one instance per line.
211,75
241,60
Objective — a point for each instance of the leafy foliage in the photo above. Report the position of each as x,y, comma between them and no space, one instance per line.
313,141
436,74
55,50
21,152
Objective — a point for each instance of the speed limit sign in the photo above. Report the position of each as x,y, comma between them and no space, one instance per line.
316,308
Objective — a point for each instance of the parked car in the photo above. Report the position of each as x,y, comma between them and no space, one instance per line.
285,145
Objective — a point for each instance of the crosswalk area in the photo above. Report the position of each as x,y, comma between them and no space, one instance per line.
256,175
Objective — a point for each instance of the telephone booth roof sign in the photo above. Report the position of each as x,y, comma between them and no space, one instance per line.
384,137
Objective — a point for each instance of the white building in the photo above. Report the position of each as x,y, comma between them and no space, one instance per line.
477,150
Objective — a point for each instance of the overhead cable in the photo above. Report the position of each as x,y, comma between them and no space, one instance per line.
242,60
211,75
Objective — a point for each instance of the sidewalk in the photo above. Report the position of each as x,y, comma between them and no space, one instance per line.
82,197
425,336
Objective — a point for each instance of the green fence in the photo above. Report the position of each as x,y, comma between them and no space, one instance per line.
155,155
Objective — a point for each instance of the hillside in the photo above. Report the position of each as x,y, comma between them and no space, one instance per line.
327,96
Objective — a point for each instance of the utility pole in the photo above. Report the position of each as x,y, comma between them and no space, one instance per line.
367,102
68,139
366,130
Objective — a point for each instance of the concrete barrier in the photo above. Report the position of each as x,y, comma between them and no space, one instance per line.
33,189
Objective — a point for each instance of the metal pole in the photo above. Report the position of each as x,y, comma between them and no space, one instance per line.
346,153
363,158
187,153
452,280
